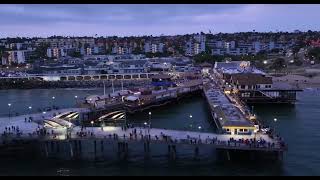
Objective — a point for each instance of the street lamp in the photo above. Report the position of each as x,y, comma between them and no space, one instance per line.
44,113
190,116
274,127
199,127
92,126
9,105
30,107
53,98
145,124
150,119
76,97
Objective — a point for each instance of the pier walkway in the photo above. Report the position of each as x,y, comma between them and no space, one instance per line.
21,130
260,142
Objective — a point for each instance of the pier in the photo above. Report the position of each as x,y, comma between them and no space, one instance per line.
122,138
236,130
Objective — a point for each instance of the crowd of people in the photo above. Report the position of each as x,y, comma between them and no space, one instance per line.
252,143
144,134
84,133
11,130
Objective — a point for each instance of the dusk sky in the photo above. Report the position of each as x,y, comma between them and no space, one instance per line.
127,20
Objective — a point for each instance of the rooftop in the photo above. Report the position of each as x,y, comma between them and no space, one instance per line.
229,114
250,79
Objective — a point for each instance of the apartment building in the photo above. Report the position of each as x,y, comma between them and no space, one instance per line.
242,47
121,50
193,48
17,57
153,47
59,52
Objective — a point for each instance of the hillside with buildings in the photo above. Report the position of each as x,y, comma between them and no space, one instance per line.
272,52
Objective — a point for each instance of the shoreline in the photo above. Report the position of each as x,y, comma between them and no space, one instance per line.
299,81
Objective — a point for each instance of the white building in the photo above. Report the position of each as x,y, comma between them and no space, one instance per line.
56,52
121,50
18,57
257,46
194,48
230,45
153,48
200,38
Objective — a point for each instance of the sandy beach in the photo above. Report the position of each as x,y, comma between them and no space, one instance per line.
299,81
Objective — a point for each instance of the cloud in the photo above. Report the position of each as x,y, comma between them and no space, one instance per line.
155,19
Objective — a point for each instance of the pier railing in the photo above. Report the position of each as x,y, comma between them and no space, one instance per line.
253,145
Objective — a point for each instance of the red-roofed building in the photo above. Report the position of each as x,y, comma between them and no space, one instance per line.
314,43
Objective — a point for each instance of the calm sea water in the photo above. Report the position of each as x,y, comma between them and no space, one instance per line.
298,124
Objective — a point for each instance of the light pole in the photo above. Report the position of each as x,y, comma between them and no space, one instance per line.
76,97
150,119
145,124
30,107
199,127
274,127
9,105
190,116
92,126
53,98
44,112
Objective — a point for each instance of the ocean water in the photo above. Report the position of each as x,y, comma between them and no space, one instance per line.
298,125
